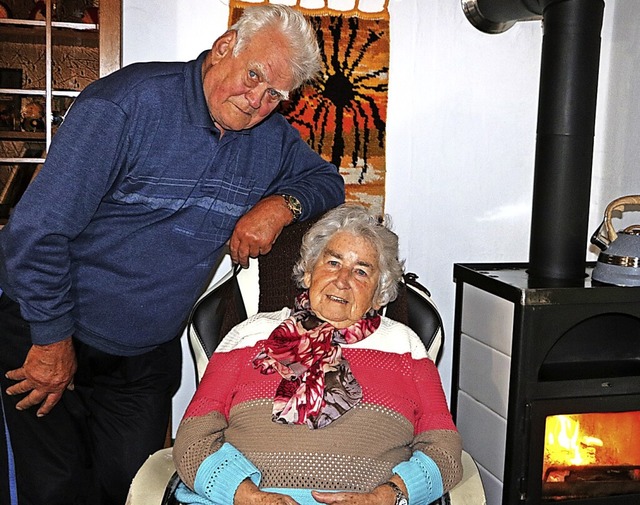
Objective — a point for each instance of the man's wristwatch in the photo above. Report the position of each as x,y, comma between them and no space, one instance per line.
294,205
401,498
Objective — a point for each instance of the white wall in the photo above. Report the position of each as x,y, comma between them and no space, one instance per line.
461,137
461,125
170,31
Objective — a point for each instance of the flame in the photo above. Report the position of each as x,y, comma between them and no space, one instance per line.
566,445
595,439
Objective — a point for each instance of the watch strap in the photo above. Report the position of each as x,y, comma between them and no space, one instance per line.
401,498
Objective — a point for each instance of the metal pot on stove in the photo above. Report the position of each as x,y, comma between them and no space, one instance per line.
619,260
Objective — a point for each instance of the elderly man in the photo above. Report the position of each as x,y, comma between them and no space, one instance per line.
156,168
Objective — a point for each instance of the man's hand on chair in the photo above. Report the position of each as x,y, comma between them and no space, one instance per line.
47,371
258,229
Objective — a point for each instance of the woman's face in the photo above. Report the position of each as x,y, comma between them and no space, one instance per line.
344,280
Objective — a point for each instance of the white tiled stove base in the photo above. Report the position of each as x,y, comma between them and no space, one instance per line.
485,361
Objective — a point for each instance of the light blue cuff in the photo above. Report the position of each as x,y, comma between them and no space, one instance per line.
219,476
422,478
185,496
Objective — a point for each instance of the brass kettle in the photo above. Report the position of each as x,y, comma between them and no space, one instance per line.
619,260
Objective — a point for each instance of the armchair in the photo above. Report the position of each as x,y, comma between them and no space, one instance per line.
266,286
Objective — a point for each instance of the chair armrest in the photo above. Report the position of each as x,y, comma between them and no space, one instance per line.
149,485
469,491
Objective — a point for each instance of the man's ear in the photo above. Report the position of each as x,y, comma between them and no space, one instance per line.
223,45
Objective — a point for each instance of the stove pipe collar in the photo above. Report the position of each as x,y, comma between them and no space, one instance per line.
497,16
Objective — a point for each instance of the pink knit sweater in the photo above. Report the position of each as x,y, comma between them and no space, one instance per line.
403,410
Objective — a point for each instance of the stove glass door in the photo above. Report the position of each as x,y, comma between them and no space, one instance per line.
582,450
591,455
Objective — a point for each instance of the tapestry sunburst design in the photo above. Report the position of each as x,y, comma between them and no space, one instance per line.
342,116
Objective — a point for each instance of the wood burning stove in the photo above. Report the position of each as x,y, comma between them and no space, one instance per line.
546,386
539,348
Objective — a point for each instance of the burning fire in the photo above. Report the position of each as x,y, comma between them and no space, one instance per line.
567,445
591,454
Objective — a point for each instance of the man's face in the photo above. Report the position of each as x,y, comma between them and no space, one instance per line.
242,91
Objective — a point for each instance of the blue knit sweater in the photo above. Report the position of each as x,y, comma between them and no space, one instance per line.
118,234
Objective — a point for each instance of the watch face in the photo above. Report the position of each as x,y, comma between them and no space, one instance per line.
402,501
293,205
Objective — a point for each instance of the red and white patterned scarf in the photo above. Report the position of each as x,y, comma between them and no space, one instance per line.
317,385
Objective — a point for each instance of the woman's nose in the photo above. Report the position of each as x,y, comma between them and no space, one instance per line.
342,278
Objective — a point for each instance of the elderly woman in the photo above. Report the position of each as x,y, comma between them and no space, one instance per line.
327,402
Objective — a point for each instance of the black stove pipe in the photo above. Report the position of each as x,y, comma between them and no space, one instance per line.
564,147
566,124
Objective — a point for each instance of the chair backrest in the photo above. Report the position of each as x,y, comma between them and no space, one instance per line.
267,286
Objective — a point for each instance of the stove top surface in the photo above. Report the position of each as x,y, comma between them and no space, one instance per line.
512,281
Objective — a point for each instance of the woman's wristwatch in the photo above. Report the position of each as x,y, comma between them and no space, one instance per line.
401,498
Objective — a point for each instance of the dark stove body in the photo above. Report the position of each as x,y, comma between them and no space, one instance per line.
575,348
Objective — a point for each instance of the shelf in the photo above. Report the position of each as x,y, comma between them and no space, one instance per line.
16,161
20,135
26,92
55,24
75,34
39,92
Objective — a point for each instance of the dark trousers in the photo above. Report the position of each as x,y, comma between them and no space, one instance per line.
87,450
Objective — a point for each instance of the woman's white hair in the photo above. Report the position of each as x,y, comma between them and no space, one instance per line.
358,221
305,55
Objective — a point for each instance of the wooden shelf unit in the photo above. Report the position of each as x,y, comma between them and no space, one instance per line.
44,36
